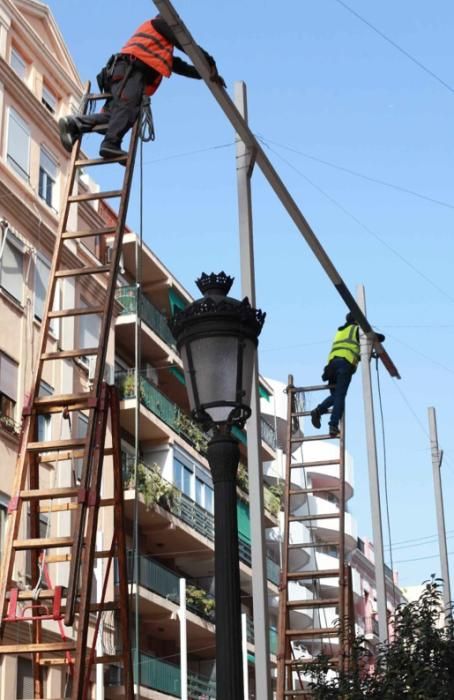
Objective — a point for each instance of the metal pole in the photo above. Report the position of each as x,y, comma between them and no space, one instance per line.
99,570
245,664
183,641
437,457
374,485
223,456
194,52
256,501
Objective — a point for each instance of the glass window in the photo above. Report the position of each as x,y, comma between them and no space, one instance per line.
48,171
3,512
8,385
44,420
18,64
18,151
209,499
11,265
49,100
182,477
89,331
200,492
25,687
42,271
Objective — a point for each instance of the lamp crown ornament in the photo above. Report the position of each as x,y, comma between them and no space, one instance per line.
217,337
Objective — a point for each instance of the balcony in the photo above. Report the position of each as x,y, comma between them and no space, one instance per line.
127,298
190,512
166,678
272,635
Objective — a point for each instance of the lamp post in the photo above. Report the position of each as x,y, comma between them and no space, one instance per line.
217,337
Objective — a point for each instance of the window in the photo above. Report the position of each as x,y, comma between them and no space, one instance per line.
3,513
11,265
8,385
89,331
18,64
25,687
204,495
49,100
18,151
182,477
48,171
44,420
42,270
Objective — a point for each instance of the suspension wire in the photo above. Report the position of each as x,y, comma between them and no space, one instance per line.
385,474
137,362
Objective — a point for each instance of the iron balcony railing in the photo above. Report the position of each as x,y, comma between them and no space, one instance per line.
159,404
166,678
127,298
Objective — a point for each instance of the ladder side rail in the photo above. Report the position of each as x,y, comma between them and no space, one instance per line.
34,560
79,525
84,574
342,580
119,520
283,583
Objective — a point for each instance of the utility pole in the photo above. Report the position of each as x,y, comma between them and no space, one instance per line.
374,484
245,164
437,458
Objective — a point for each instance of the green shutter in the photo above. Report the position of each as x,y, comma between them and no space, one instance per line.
244,525
176,301
178,373
263,393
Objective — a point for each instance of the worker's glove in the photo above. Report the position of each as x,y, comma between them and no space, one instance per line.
216,78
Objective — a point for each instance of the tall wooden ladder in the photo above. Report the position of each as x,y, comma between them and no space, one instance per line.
314,603
51,616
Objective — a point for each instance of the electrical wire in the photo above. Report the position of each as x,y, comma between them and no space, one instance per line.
429,556
362,176
191,153
399,48
360,223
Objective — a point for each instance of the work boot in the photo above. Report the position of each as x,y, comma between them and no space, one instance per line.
315,418
333,430
111,150
69,132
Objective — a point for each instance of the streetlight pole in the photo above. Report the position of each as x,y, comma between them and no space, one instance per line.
217,337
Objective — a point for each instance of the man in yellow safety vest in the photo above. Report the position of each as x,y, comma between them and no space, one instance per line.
342,363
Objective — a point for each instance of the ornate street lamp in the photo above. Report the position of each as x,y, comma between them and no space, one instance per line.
217,337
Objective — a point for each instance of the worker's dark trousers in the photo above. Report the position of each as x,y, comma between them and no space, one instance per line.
120,112
342,371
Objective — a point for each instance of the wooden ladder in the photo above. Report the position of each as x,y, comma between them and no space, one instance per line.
30,617
335,637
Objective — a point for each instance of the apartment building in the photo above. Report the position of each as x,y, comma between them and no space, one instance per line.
170,513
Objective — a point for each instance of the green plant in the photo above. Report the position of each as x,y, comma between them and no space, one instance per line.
242,478
128,385
416,664
201,601
151,485
191,431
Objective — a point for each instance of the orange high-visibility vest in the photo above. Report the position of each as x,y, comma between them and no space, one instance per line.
150,47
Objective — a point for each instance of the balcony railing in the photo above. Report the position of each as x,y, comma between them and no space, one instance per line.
173,416
127,298
166,678
251,636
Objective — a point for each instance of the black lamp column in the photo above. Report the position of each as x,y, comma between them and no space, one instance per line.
223,457
217,337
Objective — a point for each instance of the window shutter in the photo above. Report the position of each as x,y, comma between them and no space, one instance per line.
11,265
8,377
24,679
18,144
42,269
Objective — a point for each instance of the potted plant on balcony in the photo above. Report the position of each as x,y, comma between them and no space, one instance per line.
201,602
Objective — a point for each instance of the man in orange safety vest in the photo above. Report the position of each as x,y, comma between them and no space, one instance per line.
145,59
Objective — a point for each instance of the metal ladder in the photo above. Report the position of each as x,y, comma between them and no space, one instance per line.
337,637
35,614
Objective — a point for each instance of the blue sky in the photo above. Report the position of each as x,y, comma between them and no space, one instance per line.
322,86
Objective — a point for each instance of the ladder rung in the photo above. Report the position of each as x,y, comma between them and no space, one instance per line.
62,354
315,438
99,161
81,311
334,660
43,594
305,545
69,645
41,494
56,445
318,463
63,507
77,271
311,632
109,659
320,516
91,196
323,573
307,389
53,661
314,603
320,489
68,235
57,402
43,543
61,456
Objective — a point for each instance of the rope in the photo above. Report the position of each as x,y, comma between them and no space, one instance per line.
385,474
147,132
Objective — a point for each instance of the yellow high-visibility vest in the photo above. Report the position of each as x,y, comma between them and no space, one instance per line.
346,345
